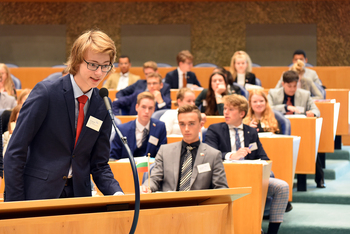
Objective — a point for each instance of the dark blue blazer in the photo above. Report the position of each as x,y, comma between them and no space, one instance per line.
142,85
41,149
157,129
130,102
218,137
172,78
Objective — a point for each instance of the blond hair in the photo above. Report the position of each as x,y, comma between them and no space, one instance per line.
155,75
237,55
144,95
95,40
238,101
268,117
9,86
183,55
24,93
150,64
298,67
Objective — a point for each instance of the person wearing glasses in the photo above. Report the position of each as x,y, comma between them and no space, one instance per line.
182,76
126,105
63,130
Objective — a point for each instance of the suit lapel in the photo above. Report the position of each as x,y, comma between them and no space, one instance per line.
152,131
132,137
246,133
226,136
202,150
70,102
176,162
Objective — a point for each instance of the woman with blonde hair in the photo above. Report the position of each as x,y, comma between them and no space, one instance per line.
241,67
260,114
11,126
306,83
6,83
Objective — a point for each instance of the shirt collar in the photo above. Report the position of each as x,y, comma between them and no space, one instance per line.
285,95
194,144
77,91
125,74
180,72
140,127
233,127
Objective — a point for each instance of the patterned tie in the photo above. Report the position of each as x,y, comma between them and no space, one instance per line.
82,100
289,103
145,135
184,80
237,140
186,171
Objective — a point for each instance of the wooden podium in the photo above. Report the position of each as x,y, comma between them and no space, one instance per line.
204,211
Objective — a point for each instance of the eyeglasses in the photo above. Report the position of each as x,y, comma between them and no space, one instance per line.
94,66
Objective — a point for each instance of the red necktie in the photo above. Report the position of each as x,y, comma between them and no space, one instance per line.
82,100
289,103
184,80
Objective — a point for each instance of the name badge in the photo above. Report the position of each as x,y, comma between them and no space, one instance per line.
94,123
153,140
204,168
253,146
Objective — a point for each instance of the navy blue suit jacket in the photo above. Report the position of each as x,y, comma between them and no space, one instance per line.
41,149
218,137
142,85
131,101
172,78
157,129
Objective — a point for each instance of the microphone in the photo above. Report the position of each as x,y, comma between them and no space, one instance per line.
104,95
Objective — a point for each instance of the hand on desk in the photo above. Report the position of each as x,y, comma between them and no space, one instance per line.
145,189
293,109
241,153
310,114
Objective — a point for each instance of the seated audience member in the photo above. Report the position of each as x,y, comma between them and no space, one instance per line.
148,68
182,76
309,73
6,82
145,135
6,101
291,100
238,141
260,115
5,116
210,100
154,85
231,88
184,96
306,83
11,126
241,67
176,164
122,79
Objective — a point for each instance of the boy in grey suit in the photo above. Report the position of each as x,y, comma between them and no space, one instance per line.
291,100
189,164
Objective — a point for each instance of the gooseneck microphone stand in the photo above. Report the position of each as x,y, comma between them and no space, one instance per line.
104,94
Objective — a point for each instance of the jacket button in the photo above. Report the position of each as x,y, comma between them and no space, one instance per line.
73,156
65,177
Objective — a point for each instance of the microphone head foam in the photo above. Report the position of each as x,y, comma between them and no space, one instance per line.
103,92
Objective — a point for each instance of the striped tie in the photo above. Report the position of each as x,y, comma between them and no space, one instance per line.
145,135
237,140
186,171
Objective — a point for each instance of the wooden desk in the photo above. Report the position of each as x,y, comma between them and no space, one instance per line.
252,206
238,175
342,96
329,113
112,94
205,211
309,129
283,152
213,120
126,118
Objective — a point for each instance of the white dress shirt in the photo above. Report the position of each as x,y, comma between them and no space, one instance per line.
171,122
233,139
181,78
241,79
123,81
139,132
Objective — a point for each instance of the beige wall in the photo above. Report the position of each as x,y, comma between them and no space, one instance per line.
217,28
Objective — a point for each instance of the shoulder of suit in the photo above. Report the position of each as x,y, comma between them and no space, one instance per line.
217,125
310,70
157,122
250,75
303,92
